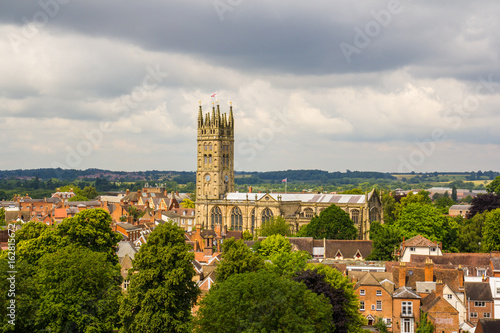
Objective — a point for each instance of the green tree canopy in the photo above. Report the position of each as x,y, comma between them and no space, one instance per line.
78,197
79,291
494,186
276,226
470,235
332,223
386,238
2,216
274,244
421,197
237,258
421,219
162,291
91,228
263,302
491,232
389,206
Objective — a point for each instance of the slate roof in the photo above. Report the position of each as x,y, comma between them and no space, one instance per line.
478,291
205,233
127,226
236,234
460,207
348,248
302,197
404,292
496,263
489,325
471,261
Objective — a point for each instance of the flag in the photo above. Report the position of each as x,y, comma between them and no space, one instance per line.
213,95
284,180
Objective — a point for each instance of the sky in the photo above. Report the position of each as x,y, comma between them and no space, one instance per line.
391,86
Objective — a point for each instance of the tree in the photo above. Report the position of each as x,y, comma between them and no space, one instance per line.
187,203
78,197
389,204
263,302
470,234
386,238
75,299
237,258
421,197
444,202
332,223
275,226
494,186
315,282
454,194
274,244
247,235
484,203
421,219
161,292
381,326
351,306
135,213
491,233
90,192
424,326
2,216
91,228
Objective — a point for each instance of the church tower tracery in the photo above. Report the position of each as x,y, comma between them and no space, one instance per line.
215,158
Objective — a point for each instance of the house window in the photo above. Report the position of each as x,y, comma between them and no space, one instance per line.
406,308
388,322
126,283
412,249
481,272
498,290
486,315
433,249
362,306
473,314
373,306
449,296
379,305
480,304
379,292
362,292
252,227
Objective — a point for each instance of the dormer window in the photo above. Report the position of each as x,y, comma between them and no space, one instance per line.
433,249
412,249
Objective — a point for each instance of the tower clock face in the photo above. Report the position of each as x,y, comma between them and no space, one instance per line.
207,178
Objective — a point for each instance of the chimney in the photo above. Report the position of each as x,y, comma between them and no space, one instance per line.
402,274
439,288
127,192
177,193
172,195
249,189
218,229
429,270
165,193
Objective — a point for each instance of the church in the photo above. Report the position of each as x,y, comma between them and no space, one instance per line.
217,203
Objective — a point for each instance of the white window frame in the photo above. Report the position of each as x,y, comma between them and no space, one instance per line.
362,306
379,308
473,315
379,292
362,292
449,296
407,308
486,315
479,304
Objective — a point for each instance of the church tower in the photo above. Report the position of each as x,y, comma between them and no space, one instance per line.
215,158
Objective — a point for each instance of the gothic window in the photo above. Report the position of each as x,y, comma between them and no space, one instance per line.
308,212
205,145
252,227
216,216
374,214
210,159
267,215
355,216
205,158
236,219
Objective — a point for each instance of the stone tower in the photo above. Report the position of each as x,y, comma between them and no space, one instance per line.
215,158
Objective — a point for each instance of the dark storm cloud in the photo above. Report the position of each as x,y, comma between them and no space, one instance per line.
286,36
